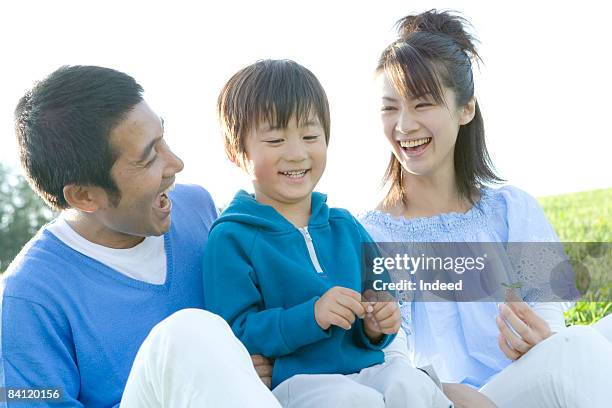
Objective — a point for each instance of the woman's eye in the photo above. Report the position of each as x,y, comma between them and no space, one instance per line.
274,141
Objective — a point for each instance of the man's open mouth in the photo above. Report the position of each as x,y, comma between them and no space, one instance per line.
162,200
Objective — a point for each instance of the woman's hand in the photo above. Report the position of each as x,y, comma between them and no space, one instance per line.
530,328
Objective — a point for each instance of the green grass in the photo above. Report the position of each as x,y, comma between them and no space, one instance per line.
585,217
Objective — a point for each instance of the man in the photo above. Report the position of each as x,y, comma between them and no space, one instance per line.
123,258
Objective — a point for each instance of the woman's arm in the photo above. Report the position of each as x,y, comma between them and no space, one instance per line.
463,396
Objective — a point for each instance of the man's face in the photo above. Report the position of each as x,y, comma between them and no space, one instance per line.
144,172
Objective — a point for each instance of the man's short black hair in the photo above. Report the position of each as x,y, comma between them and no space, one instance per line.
63,127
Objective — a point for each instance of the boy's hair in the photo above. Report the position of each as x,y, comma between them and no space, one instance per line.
272,91
63,126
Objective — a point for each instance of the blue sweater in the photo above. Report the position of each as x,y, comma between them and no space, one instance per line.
263,276
68,321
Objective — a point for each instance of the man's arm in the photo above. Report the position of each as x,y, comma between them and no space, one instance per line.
37,353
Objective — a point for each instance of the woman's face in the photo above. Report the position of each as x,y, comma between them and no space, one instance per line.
422,132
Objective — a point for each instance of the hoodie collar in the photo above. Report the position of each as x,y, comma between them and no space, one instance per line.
245,209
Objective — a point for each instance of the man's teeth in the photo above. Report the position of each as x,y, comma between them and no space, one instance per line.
294,173
169,189
414,143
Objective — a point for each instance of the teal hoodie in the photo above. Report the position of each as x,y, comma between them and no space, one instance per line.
263,276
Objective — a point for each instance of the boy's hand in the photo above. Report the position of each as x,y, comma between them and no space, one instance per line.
338,307
263,367
382,316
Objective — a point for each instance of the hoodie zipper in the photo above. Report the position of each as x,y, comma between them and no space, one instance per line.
311,249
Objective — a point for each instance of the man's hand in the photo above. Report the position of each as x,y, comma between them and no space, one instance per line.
382,315
530,327
338,307
263,366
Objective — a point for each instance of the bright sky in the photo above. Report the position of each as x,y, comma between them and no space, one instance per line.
544,89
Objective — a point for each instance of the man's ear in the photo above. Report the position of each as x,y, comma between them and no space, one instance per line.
84,198
467,112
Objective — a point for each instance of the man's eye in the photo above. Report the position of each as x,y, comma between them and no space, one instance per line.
150,162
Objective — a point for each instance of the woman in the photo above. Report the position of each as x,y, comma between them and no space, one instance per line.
437,177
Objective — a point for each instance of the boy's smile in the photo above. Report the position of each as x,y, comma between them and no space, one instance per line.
286,163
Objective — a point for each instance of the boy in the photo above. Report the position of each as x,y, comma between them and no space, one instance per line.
284,269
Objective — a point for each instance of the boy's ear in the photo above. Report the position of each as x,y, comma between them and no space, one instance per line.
467,112
85,198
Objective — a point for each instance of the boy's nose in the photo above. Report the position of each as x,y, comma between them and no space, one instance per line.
295,152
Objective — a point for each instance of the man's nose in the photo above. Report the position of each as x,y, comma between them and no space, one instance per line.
174,164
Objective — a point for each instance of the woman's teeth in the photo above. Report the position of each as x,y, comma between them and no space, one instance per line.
294,173
415,143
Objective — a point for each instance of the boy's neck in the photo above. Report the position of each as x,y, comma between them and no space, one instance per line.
297,213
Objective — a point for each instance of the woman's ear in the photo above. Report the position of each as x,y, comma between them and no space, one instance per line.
467,112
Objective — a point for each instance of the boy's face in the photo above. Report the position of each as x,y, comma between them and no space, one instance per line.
286,163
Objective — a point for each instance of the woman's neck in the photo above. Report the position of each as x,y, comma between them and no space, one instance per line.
427,196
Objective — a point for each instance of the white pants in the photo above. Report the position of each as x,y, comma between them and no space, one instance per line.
571,369
192,359
394,384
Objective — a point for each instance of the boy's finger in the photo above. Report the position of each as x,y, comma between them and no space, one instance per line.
354,305
383,310
350,292
343,311
392,323
369,296
340,321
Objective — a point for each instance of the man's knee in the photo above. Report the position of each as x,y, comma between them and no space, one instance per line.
187,327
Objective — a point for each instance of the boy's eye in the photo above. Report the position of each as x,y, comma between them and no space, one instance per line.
423,105
388,108
311,137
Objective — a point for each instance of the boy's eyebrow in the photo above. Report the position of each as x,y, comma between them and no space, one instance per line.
312,122
152,143
388,98
269,127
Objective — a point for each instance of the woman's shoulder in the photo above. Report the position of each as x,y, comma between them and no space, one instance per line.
489,212
510,196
